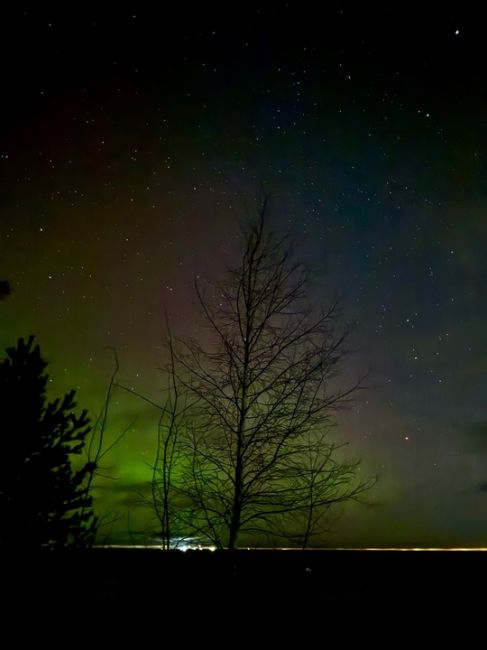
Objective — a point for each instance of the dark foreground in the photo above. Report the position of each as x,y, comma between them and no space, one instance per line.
308,584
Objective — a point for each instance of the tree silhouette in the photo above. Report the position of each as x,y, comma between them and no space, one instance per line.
43,500
165,500
257,451
169,425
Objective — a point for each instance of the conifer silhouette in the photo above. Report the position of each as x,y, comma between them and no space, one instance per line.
43,500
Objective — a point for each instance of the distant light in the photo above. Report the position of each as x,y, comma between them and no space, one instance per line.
189,544
374,549
457,32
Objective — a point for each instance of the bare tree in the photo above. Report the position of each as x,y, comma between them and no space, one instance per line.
257,452
166,499
96,447
168,455
320,481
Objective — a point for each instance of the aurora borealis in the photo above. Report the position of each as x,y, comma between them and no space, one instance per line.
134,142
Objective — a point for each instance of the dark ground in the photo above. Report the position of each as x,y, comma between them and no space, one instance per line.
305,584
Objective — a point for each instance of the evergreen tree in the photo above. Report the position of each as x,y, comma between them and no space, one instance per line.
43,500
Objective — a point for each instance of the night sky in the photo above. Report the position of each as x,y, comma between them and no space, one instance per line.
135,141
